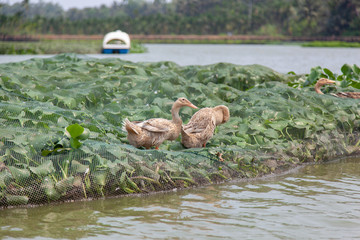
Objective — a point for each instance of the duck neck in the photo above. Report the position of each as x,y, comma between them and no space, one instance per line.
175,114
317,88
219,116
222,114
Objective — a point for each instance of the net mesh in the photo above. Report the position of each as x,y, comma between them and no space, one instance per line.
272,127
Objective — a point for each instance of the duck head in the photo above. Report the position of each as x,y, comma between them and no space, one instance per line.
222,114
183,102
321,82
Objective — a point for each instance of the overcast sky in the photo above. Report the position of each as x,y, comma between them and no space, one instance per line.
66,4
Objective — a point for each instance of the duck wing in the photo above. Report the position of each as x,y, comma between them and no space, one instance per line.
193,129
347,94
200,121
157,125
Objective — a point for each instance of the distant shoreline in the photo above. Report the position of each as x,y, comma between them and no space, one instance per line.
142,38
82,44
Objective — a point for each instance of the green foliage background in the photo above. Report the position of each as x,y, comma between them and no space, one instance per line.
47,105
259,17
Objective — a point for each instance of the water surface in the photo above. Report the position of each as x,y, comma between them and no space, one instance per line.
317,202
281,58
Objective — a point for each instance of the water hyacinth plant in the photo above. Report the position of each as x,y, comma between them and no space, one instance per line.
62,139
349,78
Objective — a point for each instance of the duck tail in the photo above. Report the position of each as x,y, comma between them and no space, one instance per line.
184,137
131,127
183,132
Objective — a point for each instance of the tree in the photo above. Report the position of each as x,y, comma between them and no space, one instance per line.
195,7
342,12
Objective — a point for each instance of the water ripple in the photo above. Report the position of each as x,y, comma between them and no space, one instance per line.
318,202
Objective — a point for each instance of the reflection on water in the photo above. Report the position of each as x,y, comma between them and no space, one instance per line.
318,202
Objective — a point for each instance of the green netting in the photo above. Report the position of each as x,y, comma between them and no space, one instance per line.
272,127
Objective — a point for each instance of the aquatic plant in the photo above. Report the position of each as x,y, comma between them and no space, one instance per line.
336,44
61,134
349,77
60,46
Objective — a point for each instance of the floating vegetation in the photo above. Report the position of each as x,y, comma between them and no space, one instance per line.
349,77
331,44
61,134
60,46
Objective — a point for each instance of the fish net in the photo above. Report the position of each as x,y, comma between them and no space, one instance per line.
47,106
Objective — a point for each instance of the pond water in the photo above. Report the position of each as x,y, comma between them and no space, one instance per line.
315,202
281,58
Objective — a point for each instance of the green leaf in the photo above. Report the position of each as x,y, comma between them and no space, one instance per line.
46,152
346,69
132,184
259,139
329,126
128,190
300,123
356,69
49,189
75,130
313,76
84,135
68,101
77,167
279,125
271,133
114,168
75,143
5,179
21,175
329,73
64,185
100,177
122,179
257,126
292,73
149,173
242,128
13,200
62,122
44,169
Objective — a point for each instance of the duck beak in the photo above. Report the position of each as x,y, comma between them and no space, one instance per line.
193,106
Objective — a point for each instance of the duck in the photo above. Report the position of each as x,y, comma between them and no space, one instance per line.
200,129
153,132
324,81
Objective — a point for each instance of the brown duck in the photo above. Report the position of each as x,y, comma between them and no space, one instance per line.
202,124
153,132
324,81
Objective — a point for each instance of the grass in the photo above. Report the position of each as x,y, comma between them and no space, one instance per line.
60,46
331,44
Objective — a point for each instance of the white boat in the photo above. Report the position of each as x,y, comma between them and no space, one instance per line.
116,42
